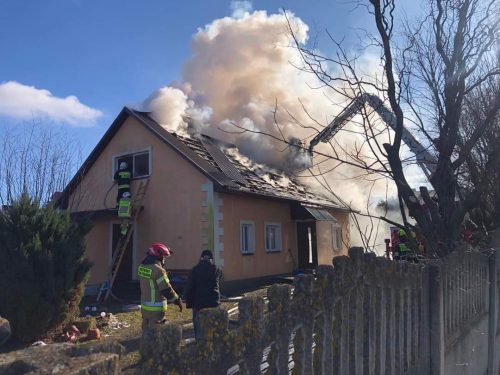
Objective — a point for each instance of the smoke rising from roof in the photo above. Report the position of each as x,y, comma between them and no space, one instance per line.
242,75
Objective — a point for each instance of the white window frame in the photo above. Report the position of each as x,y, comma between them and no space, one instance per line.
114,166
251,246
337,240
279,243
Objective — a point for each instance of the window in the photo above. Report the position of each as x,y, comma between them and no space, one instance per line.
247,235
272,236
139,163
336,237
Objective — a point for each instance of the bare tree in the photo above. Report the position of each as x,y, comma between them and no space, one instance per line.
37,159
482,166
445,62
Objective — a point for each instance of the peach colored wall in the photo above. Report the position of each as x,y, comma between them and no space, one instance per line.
97,250
237,208
324,237
176,213
172,206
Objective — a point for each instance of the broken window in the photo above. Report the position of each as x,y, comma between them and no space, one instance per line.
247,234
273,236
139,163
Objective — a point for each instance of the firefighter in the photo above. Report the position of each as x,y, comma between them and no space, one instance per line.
155,286
122,177
402,249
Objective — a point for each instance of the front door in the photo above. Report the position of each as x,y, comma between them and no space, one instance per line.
306,243
125,269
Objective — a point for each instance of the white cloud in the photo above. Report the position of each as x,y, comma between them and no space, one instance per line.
240,8
26,102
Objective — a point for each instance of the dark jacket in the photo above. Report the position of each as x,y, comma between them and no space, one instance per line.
202,289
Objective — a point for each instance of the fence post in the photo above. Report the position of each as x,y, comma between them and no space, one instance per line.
436,312
493,312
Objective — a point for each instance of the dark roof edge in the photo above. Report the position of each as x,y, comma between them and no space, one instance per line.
62,202
221,184
203,166
207,169
329,205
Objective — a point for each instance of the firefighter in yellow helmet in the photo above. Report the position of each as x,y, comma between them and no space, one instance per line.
402,249
155,286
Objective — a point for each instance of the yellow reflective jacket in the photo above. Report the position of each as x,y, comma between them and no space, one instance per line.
155,285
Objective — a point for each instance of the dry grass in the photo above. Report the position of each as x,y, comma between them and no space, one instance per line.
129,336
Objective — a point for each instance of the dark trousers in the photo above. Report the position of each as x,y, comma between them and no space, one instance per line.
196,324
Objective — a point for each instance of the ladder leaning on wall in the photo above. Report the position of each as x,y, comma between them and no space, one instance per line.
123,241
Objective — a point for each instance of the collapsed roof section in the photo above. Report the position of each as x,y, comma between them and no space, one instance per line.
220,161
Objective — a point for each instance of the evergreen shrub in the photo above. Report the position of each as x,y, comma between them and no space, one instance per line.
42,268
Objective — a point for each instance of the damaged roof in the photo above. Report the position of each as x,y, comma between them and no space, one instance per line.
216,159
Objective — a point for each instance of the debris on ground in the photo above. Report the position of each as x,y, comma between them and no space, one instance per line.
5,330
94,334
71,334
84,324
110,320
38,343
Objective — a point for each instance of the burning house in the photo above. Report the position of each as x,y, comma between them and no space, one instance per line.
202,194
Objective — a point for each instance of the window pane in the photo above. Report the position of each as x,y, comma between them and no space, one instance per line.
141,165
272,238
247,238
339,238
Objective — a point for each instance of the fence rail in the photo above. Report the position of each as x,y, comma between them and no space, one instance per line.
465,291
363,315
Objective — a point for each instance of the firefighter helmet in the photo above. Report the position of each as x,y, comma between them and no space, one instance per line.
402,233
159,250
123,165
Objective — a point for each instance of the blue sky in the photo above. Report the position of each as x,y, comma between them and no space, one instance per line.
113,53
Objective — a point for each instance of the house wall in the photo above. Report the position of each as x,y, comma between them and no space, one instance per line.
182,210
236,208
97,250
324,237
174,206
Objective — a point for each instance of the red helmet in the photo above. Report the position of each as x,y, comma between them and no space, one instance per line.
159,250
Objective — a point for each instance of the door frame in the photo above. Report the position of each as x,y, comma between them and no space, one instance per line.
314,241
110,247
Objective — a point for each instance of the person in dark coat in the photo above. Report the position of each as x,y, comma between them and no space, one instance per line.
202,288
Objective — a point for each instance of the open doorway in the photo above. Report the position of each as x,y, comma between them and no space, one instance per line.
307,244
125,270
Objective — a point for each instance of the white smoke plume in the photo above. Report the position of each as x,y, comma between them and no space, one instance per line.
241,75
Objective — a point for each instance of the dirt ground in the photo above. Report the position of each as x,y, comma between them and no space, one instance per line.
130,331
124,326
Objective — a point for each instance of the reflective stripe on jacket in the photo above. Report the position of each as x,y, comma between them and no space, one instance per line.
124,174
155,287
123,179
403,248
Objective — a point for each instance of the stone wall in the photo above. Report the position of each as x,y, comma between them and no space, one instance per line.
363,315
102,359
